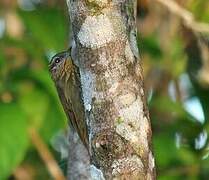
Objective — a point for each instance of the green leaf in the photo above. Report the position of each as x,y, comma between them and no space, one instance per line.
200,6
179,59
44,79
1,60
165,104
47,26
170,177
54,121
13,138
34,102
40,78
28,44
164,149
150,46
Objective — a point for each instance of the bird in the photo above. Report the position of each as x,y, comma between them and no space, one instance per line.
66,77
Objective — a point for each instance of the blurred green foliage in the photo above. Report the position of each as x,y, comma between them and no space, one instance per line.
30,35
13,137
28,96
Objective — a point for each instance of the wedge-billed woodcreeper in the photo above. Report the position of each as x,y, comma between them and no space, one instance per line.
66,77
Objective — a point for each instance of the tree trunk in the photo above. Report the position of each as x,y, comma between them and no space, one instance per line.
79,160
105,50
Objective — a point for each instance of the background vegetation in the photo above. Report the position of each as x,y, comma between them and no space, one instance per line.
176,68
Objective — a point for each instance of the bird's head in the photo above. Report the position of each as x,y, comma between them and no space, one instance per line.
58,64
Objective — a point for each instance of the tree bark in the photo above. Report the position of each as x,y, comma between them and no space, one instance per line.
105,50
79,160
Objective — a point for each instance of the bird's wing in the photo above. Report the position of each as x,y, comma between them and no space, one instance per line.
71,98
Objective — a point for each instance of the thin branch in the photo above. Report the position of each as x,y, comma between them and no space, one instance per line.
185,15
46,155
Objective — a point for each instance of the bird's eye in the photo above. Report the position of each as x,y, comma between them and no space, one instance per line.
57,60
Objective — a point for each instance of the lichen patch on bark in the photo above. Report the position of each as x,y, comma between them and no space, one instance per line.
100,3
127,99
96,174
124,129
133,112
103,59
133,43
113,88
142,91
96,31
128,52
117,23
135,126
144,130
87,80
127,166
151,161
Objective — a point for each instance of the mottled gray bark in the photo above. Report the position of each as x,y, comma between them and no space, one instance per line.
112,86
79,160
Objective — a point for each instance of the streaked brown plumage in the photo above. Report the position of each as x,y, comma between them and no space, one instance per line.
65,75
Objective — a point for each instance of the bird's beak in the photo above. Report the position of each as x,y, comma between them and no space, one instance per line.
68,53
